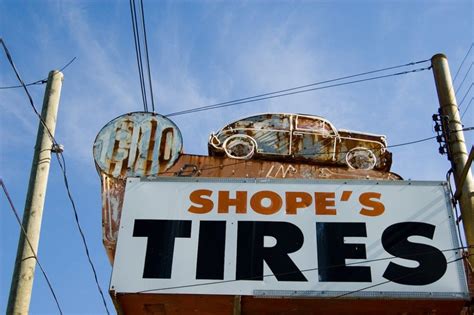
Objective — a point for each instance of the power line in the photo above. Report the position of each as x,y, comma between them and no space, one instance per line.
411,142
309,85
464,59
302,271
414,141
68,64
426,139
388,281
284,92
37,82
35,256
455,204
211,167
465,95
138,53
62,164
467,107
23,85
147,57
464,79
313,154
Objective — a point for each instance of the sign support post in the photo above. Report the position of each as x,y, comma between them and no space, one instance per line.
25,263
456,145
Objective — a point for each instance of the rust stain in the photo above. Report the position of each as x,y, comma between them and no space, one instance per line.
114,152
151,148
137,151
112,202
128,145
165,147
304,138
184,304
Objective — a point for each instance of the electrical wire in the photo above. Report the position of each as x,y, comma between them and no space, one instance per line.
465,95
411,142
454,203
10,60
136,37
309,85
38,82
464,79
302,271
414,141
281,93
147,56
464,59
25,234
221,166
462,82
139,52
388,281
210,167
62,164
426,139
67,64
467,107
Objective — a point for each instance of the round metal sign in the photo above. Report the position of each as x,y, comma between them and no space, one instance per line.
137,144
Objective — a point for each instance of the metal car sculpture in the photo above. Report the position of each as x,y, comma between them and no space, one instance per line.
299,137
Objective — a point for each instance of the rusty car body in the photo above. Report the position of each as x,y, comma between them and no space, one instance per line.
308,138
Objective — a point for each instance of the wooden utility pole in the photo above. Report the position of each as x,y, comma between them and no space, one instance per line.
23,275
457,152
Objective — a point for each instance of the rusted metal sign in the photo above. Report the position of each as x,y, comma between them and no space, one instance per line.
187,165
306,138
144,144
262,147
137,144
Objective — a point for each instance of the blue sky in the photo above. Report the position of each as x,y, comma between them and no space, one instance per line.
204,52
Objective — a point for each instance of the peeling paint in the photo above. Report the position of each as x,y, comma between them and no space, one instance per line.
296,137
137,144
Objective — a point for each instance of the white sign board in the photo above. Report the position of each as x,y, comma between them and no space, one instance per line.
288,238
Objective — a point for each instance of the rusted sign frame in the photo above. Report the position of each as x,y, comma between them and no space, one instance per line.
137,144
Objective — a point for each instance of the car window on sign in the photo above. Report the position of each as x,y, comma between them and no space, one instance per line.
266,122
313,124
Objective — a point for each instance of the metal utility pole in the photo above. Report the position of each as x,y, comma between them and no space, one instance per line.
22,280
457,152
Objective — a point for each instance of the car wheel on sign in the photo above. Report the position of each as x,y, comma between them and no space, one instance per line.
361,159
239,147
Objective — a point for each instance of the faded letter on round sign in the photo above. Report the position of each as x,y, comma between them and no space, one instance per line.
137,144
